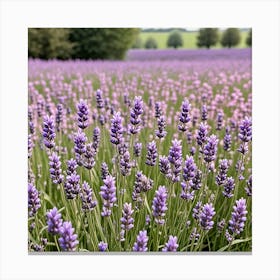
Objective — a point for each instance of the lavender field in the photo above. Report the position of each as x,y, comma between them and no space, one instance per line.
151,154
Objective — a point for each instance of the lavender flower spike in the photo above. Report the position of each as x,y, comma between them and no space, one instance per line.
55,169
89,161
116,129
184,117
175,159
171,245
137,148
245,130
135,114
68,240
189,169
227,140
160,205
151,154
161,132
141,243
202,134
127,220
34,202
82,114
222,174
102,246
210,148
54,221
108,194
165,167
99,99
88,203
48,132
96,138
80,145
238,216
206,216
125,164
72,185
229,187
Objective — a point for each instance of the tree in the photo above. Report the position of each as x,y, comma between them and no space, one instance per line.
249,39
138,43
231,37
175,40
102,43
151,43
48,43
207,37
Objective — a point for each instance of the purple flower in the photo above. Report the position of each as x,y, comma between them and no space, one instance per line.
68,240
160,205
116,129
186,193
196,210
55,168
54,221
142,184
189,170
206,216
202,134
34,202
158,111
135,114
161,132
165,167
248,189
89,161
82,114
96,138
245,130
48,132
108,194
204,113
127,220
222,174
125,164
104,170
88,203
171,245
228,187
99,99
151,154
219,121
227,140
195,182
210,148
102,246
137,149
30,145
71,166
72,185
80,145
238,216
175,159
141,243
185,115
59,116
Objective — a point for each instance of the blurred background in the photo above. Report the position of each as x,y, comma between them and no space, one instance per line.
114,43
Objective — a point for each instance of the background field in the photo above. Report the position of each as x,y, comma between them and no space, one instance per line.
189,39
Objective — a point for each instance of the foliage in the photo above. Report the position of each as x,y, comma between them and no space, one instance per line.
230,37
48,43
151,43
175,40
138,44
102,43
207,37
249,39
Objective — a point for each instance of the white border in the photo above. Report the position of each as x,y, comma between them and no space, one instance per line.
263,16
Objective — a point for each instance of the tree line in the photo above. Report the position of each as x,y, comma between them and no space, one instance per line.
113,43
207,38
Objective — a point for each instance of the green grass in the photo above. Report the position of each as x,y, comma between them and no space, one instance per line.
189,39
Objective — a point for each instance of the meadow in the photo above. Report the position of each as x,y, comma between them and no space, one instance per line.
189,39
142,155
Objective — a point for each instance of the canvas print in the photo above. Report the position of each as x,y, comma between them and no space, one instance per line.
139,140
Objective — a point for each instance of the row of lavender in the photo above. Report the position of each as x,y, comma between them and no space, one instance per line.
140,156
